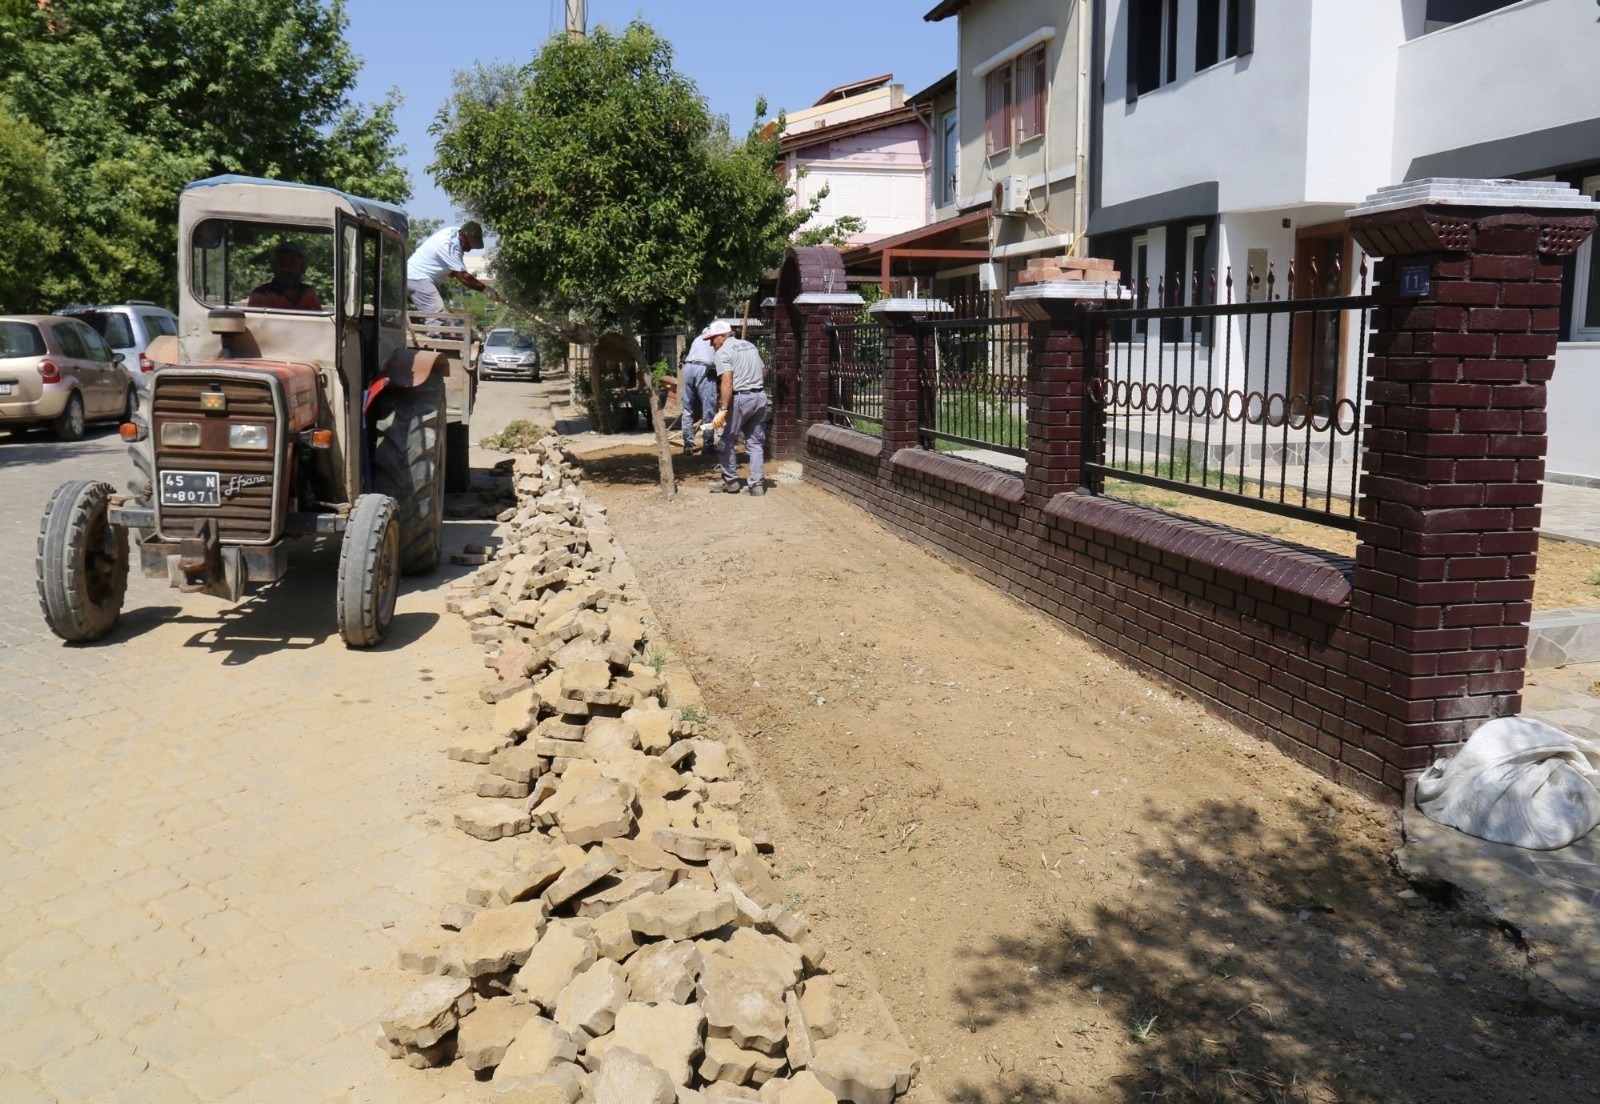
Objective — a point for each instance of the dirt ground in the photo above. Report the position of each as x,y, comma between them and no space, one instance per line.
1068,883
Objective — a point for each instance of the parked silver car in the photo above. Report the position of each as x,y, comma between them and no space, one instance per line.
58,372
129,328
506,354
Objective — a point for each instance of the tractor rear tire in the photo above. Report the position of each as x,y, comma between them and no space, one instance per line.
408,465
81,565
369,571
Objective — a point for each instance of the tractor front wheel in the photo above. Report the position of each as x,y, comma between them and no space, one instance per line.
369,571
81,564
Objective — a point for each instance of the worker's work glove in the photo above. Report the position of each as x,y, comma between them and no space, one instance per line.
720,420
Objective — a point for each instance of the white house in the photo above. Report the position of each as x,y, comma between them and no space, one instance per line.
1234,135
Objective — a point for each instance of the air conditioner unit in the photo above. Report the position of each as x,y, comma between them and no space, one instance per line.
1011,196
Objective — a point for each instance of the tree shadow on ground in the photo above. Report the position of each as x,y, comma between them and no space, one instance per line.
1241,963
640,470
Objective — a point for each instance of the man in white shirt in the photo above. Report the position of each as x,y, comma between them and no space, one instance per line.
741,375
440,255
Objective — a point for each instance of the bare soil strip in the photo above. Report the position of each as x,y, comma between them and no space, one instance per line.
1071,883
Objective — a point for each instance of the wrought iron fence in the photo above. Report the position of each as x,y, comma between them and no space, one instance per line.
973,385
857,355
1256,402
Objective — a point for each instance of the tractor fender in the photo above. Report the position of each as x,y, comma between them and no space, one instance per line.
413,367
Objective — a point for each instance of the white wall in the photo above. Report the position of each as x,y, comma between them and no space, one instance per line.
1572,398
1524,68
1350,120
1242,122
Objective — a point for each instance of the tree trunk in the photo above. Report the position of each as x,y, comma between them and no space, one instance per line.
658,413
597,392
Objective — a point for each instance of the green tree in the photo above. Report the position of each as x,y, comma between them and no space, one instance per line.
27,218
615,195
138,97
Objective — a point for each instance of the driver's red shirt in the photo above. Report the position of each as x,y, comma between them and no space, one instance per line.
274,296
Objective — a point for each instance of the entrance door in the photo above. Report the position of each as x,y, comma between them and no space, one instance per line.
1322,262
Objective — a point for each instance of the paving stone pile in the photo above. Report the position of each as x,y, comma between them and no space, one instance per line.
633,948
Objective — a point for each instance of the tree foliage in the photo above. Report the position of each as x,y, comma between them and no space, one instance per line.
613,190
139,97
27,218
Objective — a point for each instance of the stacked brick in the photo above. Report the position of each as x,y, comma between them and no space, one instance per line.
1042,270
628,943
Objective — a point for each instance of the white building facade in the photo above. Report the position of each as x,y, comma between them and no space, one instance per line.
1234,134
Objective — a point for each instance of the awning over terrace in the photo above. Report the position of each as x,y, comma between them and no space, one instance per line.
962,240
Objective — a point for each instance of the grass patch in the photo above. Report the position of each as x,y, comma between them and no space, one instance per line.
520,436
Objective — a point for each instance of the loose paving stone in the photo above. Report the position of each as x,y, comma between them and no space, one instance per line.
600,863
802,1088
433,952
726,1061
648,774
766,950
484,1036
477,747
725,794
502,938
593,675
669,1035
514,716
692,844
500,787
610,736
532,879
619,890
862,1070
513,661
562,1083
492,822
710,759
628,1078
793,927
559,956
517,764
743,1001
644,855
664,973
455,917
603,810
749,873
538,1045
798,1048
428,1012
653,725
591,1000
613,935
819,1002
682,912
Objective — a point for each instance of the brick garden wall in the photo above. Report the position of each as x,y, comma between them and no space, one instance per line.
1364,670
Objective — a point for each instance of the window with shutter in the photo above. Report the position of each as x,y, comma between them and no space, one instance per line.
1031,94
1001,113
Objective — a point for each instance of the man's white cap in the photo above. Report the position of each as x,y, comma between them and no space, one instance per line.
717,327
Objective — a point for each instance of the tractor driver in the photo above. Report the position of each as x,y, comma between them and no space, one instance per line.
287,290
440,255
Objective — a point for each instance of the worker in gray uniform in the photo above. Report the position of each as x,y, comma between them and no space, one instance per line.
742,406
697,390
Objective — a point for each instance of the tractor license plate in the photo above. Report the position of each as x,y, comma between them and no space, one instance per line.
5,389
190,488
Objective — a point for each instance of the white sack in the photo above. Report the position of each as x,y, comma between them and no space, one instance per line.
1517,781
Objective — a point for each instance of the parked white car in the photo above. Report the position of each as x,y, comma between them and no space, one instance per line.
129,328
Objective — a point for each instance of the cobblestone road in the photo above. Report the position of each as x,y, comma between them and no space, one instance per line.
218,826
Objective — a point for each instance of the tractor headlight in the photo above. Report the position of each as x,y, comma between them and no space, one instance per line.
255,437
181,434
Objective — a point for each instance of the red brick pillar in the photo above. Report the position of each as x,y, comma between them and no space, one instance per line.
1059,373
811,295
1463,339
905,352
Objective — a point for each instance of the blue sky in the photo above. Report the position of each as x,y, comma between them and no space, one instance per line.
734,50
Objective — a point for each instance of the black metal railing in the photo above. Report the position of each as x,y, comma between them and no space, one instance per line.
1256,402
973,383
857,356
